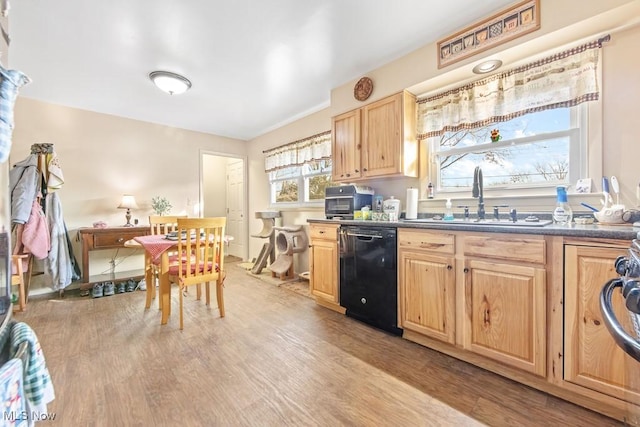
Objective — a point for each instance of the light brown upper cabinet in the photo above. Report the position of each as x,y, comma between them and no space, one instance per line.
346,146
377,140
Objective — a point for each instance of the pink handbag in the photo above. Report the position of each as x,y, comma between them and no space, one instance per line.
35,236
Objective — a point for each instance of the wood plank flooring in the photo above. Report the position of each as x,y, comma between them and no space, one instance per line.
276,359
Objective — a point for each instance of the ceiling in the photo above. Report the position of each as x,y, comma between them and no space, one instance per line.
255,65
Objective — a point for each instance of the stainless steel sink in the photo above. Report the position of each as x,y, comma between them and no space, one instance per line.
487,222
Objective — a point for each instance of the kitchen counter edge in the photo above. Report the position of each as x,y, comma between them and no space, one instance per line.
624,232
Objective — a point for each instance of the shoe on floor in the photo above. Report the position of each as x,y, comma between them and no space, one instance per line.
121,287
109,289
131,285
98,290
142,285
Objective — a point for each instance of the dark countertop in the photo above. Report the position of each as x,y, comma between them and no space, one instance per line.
621,232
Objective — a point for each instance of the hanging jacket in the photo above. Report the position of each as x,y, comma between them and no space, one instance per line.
23,185
59,264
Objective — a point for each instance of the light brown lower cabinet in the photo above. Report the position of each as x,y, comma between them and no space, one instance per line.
505,299
592,359
501,308
505,313
324,265
427,284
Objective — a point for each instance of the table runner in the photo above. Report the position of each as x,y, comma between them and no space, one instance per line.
155,245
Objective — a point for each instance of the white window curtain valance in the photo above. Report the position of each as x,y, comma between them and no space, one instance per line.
297,153
561,80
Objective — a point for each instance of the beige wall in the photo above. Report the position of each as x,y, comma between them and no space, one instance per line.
621,94
106,156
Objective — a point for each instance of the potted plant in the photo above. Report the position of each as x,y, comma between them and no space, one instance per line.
160,205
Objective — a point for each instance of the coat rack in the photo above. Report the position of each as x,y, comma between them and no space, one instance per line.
49,179
26,259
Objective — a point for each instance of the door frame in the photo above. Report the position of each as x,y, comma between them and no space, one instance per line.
245,202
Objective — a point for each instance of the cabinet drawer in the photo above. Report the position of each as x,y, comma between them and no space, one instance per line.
323,231
509,247
426,240
115,239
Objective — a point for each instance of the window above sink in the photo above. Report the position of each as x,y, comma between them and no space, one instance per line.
540,150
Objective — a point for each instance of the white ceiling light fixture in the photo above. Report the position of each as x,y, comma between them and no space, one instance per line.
487,66
172,83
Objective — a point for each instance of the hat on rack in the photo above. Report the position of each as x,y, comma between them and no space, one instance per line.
55,178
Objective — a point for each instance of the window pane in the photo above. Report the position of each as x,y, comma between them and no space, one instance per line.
284,173
286,190
525,126
539,159
545,162
316,167
316,186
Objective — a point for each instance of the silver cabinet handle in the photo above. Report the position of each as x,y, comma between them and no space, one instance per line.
363,235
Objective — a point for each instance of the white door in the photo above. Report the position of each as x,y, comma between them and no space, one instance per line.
235,207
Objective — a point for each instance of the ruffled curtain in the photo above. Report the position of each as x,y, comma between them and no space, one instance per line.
297,153
561,80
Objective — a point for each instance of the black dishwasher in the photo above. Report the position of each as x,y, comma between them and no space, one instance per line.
368,275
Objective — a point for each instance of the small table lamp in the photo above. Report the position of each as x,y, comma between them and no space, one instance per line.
128,202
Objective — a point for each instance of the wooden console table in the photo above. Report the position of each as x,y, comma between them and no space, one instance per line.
107,238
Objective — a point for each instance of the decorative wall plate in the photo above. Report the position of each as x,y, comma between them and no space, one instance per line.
362,90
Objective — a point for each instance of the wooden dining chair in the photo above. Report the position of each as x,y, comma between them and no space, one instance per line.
201,258
20,266
159,224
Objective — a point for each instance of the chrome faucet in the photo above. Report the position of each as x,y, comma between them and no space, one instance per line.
477,191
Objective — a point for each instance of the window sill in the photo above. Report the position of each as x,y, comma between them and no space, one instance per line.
297,207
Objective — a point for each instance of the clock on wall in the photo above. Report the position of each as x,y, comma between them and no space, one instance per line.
362,90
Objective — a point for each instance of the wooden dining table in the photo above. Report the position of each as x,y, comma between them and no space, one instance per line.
156,251
157,248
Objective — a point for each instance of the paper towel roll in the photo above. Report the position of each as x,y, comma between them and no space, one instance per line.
412,203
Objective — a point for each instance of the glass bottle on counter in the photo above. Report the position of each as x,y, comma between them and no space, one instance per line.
562,214
430,193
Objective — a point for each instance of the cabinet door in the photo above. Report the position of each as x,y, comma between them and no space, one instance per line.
323,265
591,357
427,294
346,146
382,127
505,313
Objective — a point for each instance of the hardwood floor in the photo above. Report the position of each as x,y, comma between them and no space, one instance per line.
277,358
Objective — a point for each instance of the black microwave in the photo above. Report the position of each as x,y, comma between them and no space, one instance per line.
341,201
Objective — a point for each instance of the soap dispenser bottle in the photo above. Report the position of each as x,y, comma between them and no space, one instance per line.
562,214
448,213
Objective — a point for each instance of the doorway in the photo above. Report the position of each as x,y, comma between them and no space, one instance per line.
222,193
